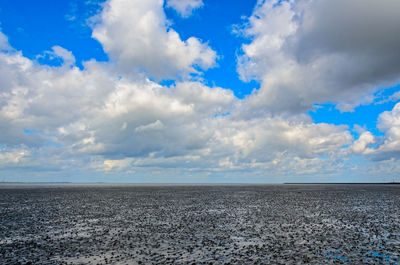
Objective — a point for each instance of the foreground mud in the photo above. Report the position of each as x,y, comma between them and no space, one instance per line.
276,224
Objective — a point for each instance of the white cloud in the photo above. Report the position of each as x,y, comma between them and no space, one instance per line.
360,146
185,8
4,45
154,126
137,37
275,146
381,148
113,165
107,117
67,56
129,123
13,157
84,110
389,122
265,139
156,119
307,51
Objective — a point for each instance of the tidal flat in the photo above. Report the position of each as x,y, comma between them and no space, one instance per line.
201,224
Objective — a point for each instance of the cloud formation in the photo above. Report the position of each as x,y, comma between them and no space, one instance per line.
113,117
4,42
133,122
389,122
137,36
306,52
184,8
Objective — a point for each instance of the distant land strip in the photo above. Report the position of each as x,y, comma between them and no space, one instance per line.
343,183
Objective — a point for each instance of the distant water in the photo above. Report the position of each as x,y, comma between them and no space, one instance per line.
55,223
21,185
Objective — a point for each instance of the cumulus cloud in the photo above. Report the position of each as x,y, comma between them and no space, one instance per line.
389,123
274,139
107,117
36,100
152,119
381,148
154,126
113,165
128,123
305,52
360,146
60,54
12,157
184,7
94,112
137,36
280,146
4,45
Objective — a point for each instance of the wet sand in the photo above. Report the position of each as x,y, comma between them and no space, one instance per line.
234,224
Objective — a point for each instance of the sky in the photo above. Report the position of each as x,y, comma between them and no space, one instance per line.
200,91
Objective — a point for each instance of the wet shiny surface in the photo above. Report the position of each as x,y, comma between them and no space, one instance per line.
278,224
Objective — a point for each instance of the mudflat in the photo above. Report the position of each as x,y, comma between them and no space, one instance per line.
219,224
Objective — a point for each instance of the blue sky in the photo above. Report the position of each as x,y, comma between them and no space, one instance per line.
199,91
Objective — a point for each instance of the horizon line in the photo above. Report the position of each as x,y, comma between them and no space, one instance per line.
195,183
